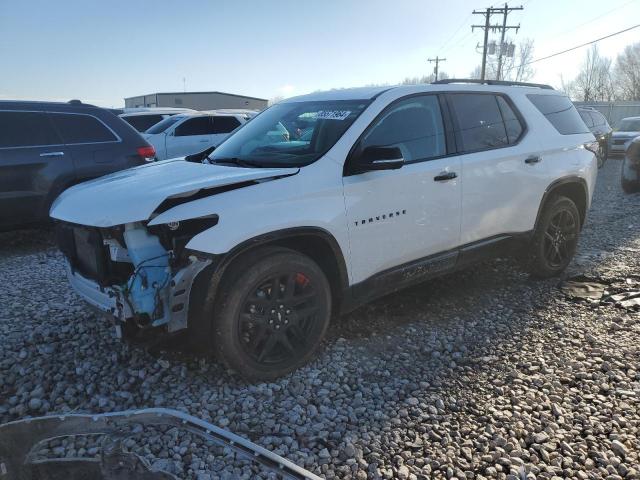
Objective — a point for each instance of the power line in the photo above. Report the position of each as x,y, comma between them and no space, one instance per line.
464,22
578,46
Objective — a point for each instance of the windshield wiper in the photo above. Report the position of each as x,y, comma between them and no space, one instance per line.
236,161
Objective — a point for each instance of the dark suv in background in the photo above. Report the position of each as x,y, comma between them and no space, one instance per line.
46,147
600,128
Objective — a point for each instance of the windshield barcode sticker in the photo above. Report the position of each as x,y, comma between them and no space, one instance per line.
332,114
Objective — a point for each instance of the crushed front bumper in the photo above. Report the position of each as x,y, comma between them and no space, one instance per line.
112,300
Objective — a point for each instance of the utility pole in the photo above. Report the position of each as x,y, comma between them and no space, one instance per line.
494,28
505,12
486,26
437,60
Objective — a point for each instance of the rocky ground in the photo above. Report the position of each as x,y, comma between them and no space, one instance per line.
482,374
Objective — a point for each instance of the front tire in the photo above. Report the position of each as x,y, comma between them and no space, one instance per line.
272,313
555,239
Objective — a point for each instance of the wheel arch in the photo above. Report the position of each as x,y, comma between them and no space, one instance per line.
572,187
314,242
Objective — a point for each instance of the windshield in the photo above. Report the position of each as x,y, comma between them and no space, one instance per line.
164,124
290,134
629,125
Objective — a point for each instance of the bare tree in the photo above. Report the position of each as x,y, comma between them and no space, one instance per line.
626,73
424,79
515,68
593,82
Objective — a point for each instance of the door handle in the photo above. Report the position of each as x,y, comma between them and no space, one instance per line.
444,176
204,141
533,159
52,154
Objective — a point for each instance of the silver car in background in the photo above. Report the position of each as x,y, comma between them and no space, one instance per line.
626,130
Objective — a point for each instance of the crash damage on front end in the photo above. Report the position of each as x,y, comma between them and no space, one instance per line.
120,261
141,275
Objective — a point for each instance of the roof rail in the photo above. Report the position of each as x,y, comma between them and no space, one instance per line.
505,83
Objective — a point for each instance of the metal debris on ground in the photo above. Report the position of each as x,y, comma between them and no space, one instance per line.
623,293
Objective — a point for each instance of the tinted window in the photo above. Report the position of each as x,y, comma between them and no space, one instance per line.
586,118
414,125
560,112
480,124
511,121
26,129
225,124
78,128
163,125
598,118
195,126
142,122
629,125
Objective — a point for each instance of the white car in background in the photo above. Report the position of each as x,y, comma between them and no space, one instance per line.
188,133
143,118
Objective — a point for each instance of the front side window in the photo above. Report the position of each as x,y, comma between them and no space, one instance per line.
195,126
560,112
225,124
413,125
629,125
290,133
80,128
480,125
164,125
26,129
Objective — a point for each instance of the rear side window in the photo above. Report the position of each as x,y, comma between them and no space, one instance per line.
560,112
142,122
195,126
480,123
81,128
414,125
586,118
225,124
26,129
511,122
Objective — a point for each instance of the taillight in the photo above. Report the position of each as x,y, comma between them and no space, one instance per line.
148,153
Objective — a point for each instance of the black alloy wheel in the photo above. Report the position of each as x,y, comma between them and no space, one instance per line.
271,313
277,321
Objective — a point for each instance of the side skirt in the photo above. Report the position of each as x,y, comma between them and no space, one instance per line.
420,270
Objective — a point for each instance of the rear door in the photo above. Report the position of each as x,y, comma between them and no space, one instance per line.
191,136
33,161
90,142
503,177
222,127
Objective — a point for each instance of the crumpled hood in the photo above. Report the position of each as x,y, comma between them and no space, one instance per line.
132,195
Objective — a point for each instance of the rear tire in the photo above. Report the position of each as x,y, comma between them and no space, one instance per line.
555,238
271,313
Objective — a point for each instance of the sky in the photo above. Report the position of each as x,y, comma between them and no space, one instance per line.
103,51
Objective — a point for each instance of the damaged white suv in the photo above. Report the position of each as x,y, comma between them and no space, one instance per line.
254,247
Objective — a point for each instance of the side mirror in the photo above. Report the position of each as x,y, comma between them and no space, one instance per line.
380,158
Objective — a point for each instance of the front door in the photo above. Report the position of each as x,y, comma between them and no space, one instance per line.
193,135
398,216
32,161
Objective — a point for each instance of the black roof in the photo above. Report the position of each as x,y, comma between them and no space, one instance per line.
505,83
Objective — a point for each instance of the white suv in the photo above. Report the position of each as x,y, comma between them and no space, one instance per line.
253,248
188,133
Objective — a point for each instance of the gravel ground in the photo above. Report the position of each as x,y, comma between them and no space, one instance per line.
481,374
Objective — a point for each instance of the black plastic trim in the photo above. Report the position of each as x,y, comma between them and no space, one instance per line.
557,183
